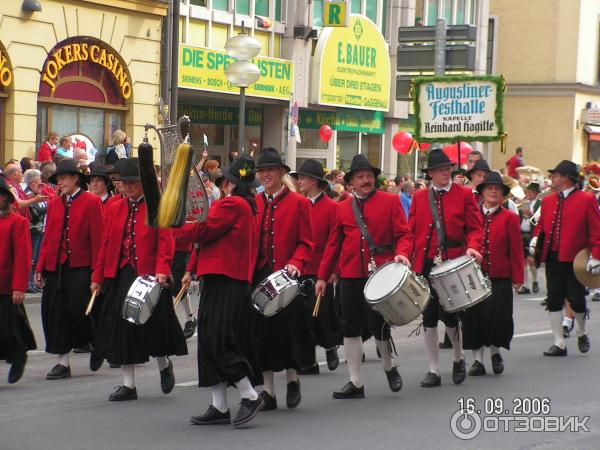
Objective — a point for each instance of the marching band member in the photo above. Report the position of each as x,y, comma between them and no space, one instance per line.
226,352
131,248
16,336
285,241
101,185
490,323
69,251
527,212
459,223
573,214
369,215
476,175
325,327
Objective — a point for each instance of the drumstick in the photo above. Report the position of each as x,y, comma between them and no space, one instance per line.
317,304
90,304
179,297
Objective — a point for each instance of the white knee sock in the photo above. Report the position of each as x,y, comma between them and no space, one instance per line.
353,350
246,389
556,325
456,338
386,354
219,397
64,359
269,386
580,324
478,354
533,271
128,375
162,361
187,305
430,337
567,321
494,350
291,375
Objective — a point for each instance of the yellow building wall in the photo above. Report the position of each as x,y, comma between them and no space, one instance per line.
28,37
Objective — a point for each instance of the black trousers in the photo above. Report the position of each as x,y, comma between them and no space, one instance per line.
325,328
561,284
358,318
433,311
180,260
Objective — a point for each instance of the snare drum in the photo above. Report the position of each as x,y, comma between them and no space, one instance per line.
460,283
275,292
141,299
397,293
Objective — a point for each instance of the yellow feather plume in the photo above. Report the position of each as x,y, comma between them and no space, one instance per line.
173,199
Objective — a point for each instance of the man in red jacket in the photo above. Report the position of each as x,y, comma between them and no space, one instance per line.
459,223
384,220
285,240
70,247
569,222
490,323
325,326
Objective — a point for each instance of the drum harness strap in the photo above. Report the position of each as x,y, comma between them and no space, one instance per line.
443,244
373,249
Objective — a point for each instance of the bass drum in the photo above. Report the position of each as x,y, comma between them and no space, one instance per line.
141,299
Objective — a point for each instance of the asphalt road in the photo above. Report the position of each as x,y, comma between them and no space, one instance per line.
76,413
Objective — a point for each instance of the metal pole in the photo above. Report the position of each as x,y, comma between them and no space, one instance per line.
165,56
242,122
439,67
174,62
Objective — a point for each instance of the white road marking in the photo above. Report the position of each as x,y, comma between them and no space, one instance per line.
188,383
533,333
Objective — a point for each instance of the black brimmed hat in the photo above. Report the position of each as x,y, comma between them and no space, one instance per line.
5,189
241,172
100,171
130,170
270,157
312,168
533,186
480,164
360,162
567,168
65,166
493,178
437,158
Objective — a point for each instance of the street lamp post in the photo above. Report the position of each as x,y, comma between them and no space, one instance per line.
242,73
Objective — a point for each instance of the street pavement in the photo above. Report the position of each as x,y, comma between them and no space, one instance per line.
76,414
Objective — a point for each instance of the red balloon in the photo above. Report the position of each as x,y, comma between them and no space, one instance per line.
402,142
424,146
452,151
325,133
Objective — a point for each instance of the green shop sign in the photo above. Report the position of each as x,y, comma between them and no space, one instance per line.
344,120
220,115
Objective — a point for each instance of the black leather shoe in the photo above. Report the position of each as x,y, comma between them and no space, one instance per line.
364,358
167,378
96,361
535,287
524,290
212,416
497,364
122,394
269,403
85,349
477,369
431,380
349,391
248,411
446,343
556,351
294,396
190,328
544,302
310,370
394,379
114,366
566,332
459,371
333,360
58,372
16,370
583,342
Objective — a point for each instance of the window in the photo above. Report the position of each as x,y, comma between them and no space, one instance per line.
372,11
222,5
432,12
490,47
278,10
460,12
384,29
242,7
262,8
472,11
347,147
318,13
311,140
593,150
42,125
448,11
198,2
371,147
355,6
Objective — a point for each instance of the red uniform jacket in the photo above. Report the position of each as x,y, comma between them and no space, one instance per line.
154,246
502,247
288,235
183,241
385,221
85,228
322,216
227,240
461,218
580,225
15,253
45,152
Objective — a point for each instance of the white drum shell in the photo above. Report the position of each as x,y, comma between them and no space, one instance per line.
460,283
274,293
141,299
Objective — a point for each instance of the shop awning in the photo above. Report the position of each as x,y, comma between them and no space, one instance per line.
593,132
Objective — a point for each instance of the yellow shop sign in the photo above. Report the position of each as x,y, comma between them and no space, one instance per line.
351,67
204,69
5,70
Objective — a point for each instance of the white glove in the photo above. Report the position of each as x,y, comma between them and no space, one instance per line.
532,245
593,266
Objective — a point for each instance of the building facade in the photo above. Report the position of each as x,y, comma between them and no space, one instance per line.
83,68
